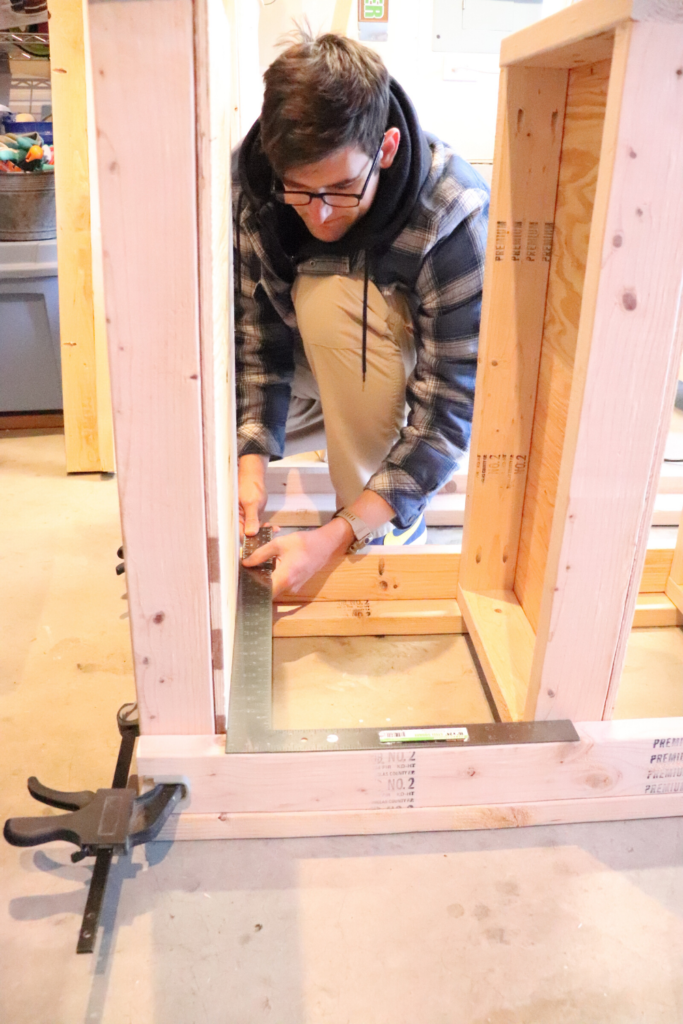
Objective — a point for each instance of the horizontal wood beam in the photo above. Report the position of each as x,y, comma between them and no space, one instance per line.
582,33
419,618
416,819
423,573
656,611
400,574
611,759
368,618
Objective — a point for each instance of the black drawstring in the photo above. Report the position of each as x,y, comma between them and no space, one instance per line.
238,229
366,281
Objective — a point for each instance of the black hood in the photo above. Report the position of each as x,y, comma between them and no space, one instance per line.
399,187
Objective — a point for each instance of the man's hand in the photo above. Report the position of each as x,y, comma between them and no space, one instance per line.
251,480
299,555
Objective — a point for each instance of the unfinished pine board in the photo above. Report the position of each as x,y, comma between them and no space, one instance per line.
623,390
674,584
294,824
656,610
367,618
399,574
86,394
583,124
504,641
528,143
656,571
375,682
428,573
143,60
611,759
582,33
418,618
213,42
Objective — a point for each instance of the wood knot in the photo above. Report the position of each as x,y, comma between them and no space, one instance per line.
629,301
159,618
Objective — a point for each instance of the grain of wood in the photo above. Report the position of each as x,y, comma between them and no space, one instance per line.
528,143
623,391
143,60
213,42
504,642
401,574
677,562
417,618
656,610
582,33
88,429
610,760
417,819
423,574
674,591
583,124
367,618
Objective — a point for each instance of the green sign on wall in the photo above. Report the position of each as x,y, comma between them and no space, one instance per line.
373,10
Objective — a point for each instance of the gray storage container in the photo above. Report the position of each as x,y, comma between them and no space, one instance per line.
27,206
30,365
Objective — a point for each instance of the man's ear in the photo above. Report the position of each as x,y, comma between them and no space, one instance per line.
392,139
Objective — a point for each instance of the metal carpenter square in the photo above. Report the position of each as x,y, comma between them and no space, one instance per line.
250,689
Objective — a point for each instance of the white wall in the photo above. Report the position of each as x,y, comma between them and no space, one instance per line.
461,108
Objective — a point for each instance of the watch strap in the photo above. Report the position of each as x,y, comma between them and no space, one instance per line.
361,530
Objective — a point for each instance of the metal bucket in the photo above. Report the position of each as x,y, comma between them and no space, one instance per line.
27,207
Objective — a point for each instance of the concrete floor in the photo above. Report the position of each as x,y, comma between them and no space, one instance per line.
556,925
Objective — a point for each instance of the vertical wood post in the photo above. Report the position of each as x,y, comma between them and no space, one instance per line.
143,60
85,376
628,353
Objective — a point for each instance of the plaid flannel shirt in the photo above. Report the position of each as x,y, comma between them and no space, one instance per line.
437,261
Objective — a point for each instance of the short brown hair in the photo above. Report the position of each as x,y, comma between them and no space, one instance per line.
322,95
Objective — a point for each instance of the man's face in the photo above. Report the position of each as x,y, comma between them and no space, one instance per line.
346,170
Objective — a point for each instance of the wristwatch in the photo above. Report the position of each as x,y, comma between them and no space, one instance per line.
361,530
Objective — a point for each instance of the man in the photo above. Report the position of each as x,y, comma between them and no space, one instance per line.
359,255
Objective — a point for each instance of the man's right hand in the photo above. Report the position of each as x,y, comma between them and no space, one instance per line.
251,479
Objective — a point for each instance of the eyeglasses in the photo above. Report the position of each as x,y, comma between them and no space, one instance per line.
339,199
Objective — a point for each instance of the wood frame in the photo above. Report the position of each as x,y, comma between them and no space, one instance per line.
556,500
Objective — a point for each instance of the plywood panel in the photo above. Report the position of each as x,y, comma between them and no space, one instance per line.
583,124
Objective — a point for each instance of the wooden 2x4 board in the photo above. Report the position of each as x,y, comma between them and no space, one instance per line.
584,262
